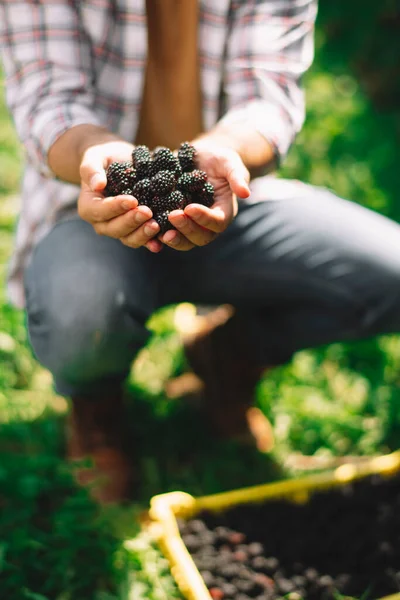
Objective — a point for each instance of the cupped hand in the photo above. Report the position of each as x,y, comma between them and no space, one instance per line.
198,225
118,217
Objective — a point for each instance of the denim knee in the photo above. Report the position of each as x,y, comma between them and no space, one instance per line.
83,327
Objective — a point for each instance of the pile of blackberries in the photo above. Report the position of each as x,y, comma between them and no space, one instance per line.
161,181
343,541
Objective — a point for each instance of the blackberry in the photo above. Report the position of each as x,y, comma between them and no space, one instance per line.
229,571
159,204
192,182
119,176
163,183
143,168
285,586
164,160
142,191
255,549
140,153
196,525
206,195
228,589
176,200
208,578
165,225
187,157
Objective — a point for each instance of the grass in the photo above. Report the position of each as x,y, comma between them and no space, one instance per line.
55,544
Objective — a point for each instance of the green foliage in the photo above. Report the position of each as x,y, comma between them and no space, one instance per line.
54,541
150,576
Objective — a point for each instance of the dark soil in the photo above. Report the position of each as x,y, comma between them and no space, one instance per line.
344,540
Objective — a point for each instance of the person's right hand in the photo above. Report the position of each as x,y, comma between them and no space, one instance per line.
118,217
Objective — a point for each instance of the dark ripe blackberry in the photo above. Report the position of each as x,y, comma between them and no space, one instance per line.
142,192
119,176
191,541
208,578
299,581
244,585
162,220
206,195
196,525
229,571
164,160
192,182
187,157
159,204
184,182
176,200
326,581
205,563
163,183
127,192
271,565
255,549
311,574
285,586
143,168
228,589
140,153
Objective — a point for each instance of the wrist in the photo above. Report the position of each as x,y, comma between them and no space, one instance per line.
254,149
219,138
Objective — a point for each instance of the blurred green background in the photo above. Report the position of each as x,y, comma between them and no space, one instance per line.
338,400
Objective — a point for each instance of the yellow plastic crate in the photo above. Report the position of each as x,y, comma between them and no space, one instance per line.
166,508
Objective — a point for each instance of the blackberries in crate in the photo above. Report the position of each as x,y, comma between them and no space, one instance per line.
161,181
344,541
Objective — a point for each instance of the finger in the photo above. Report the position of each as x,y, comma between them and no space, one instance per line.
123,225
154,246
142,235
92,171
238,176
95,209
177,241
190,229
215,219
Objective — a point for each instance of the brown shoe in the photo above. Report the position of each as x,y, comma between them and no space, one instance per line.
219,357
94,432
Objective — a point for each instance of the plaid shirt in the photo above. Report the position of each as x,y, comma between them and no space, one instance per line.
69,62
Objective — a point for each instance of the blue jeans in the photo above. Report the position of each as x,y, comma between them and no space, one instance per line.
300,271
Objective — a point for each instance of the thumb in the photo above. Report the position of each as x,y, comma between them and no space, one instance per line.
238,176
92,172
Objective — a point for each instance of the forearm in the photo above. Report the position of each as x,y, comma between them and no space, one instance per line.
65,155
253,148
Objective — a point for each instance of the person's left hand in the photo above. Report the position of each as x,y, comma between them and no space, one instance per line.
198,225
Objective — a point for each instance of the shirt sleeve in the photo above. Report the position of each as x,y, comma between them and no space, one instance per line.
48,71
270,46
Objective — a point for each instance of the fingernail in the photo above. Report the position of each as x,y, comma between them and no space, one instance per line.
151,229
95,180
174,241
126,204
140,218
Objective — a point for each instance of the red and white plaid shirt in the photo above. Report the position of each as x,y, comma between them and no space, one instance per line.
69,62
